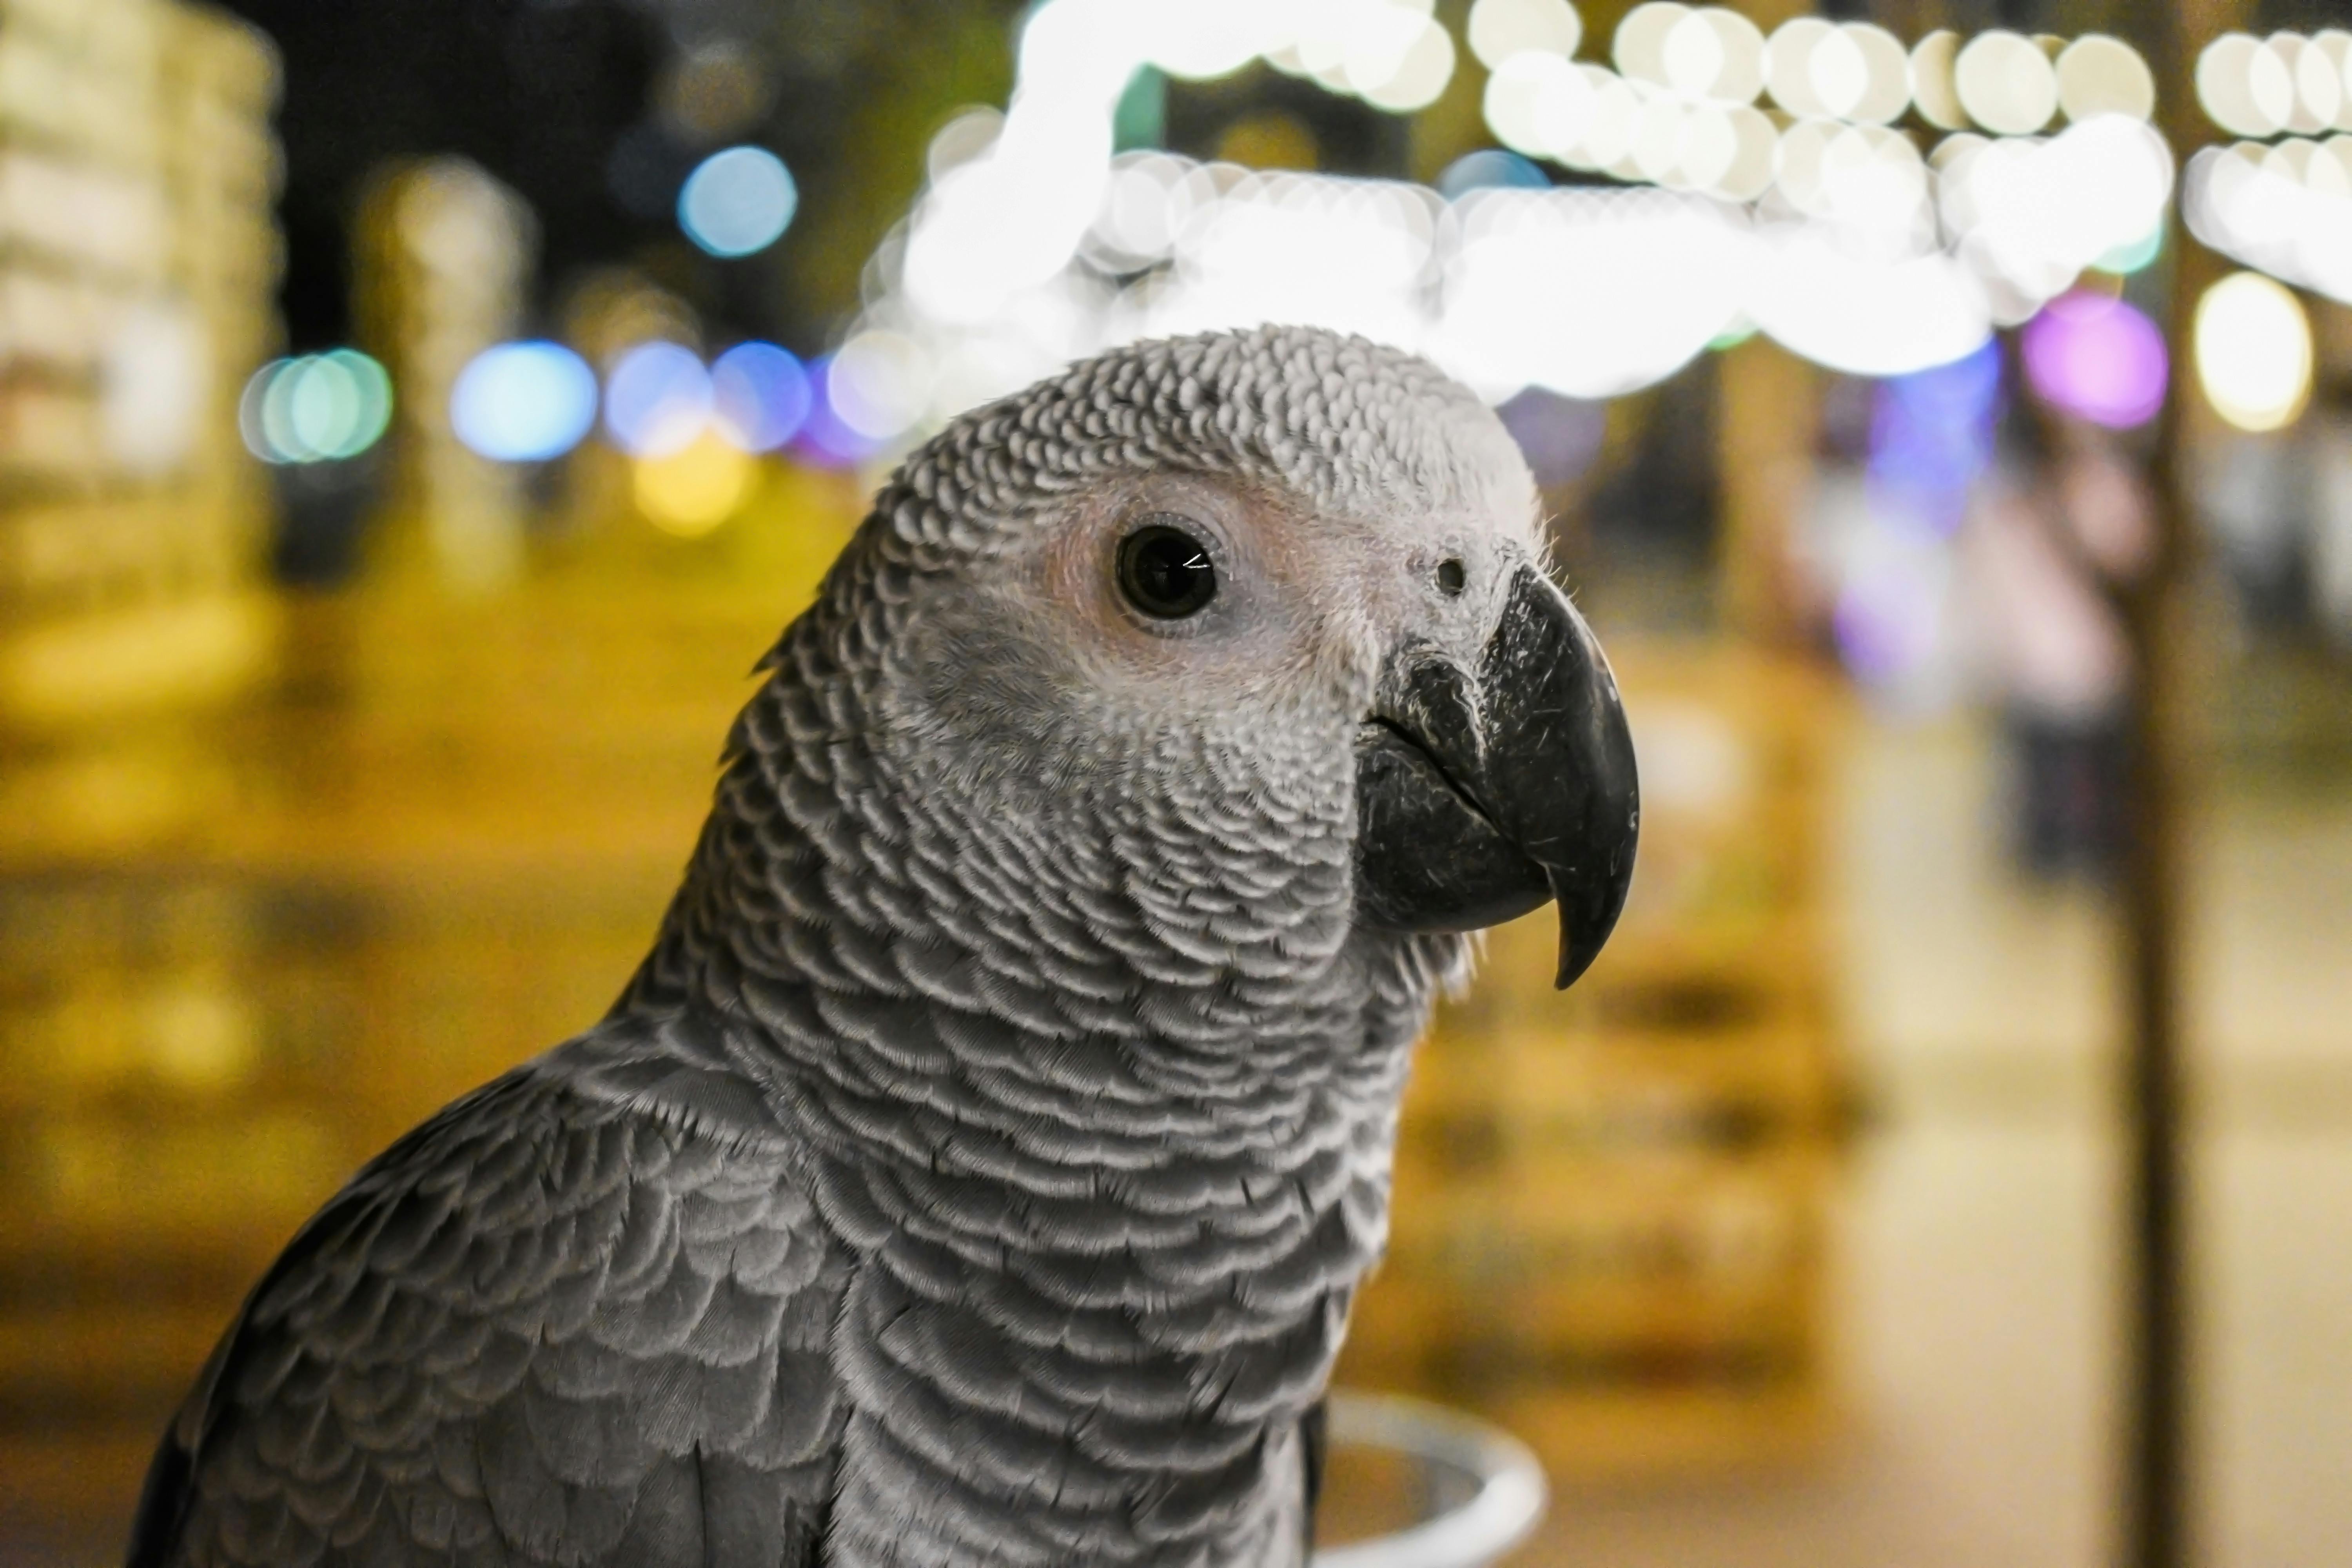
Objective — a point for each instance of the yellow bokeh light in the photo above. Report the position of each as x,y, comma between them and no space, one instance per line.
693,491
2253,352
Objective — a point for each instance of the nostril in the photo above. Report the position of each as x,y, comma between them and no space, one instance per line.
1451,577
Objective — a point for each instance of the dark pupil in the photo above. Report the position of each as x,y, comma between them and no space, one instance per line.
1166,572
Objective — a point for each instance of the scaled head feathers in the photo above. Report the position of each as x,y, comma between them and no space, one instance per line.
1344,425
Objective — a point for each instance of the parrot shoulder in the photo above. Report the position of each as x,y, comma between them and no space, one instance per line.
582,1316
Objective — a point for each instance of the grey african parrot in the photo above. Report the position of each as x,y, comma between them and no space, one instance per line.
979,1168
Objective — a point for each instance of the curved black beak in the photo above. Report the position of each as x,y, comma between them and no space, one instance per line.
1480,799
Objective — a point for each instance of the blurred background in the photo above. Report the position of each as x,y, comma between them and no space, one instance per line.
416,420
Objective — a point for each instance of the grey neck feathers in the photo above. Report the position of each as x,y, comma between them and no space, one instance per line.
1104,1095
1167,967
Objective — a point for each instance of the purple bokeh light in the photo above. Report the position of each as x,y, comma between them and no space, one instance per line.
823,439
2097,358
1560,436
1888,618
761,395
656,399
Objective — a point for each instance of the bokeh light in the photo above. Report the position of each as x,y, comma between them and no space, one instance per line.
1851,70
315,408
759,395
1885,91
1789,65
1540,104
2033,215
657,400
523,402
968,133
1587,293
2099,75
1933,84
1640,44
2286,209
879,383
690,492
1714,54
2322,80
155,382
2253,352
824,439
2006,83
250,423
1865,315
738,202
1490,168
2244,87
2096,357
1931,438
1034,242
712,91
1403,65
1501,28
2133,255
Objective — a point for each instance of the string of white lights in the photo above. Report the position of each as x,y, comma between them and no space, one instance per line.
1769,188
1875,209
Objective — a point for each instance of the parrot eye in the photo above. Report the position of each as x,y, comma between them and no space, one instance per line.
1165,572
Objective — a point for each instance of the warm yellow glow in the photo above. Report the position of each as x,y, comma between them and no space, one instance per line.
1269,139
691,491
2253,352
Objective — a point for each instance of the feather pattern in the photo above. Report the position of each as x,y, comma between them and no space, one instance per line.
582,1316
980,1167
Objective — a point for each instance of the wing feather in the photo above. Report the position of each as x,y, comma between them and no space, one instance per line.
551,1326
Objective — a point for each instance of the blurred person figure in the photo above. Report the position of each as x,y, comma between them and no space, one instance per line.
2252,491
2331,512
2061,519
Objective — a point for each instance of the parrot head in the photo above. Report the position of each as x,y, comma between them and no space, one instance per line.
1269,609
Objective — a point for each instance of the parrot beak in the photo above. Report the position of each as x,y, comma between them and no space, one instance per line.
1481,798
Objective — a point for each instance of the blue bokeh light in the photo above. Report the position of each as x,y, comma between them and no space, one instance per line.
738,201
1489,168
656,400
761,395
523,402
1931,436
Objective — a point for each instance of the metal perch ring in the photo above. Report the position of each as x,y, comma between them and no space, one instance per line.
1497,1481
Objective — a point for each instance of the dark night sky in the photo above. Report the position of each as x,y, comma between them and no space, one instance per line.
543,93
535,92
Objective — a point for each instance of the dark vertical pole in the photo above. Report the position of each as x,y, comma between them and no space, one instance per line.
2154,1526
